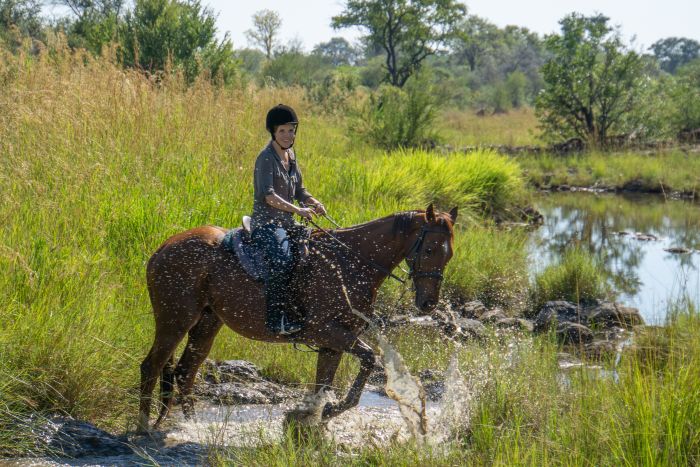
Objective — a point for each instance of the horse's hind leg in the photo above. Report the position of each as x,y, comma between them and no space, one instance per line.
199,343
164,345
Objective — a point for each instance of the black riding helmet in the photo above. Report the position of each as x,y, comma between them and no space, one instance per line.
280,115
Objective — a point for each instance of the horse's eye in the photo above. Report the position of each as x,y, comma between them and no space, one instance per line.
428,251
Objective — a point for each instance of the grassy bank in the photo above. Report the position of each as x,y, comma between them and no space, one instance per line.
99,165
643,411
665,171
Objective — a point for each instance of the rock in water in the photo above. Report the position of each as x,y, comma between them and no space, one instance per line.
67,437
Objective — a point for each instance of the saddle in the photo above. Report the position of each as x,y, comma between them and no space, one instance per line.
239,242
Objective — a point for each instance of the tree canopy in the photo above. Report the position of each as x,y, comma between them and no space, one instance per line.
591,81
182,33
266,24
674,52
407,30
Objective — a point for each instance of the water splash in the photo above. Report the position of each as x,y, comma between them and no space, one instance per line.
457,403
405,389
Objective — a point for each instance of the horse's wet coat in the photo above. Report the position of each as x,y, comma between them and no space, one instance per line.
196,287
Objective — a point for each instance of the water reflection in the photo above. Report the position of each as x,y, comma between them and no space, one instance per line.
647,276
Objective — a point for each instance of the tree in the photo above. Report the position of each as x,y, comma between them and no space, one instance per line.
266,24
96,22
21,15
478,37
685,98
591,82
674,52
179,33
408,30
337,51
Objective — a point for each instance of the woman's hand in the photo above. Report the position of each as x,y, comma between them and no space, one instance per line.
319,209
306,213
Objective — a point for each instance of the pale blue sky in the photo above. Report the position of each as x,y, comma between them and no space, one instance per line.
309,20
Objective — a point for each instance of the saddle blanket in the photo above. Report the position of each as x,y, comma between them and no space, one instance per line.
238,242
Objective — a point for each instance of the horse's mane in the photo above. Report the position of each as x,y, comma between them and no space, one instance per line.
401,223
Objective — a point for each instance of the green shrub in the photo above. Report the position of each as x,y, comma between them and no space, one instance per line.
577,278
399,117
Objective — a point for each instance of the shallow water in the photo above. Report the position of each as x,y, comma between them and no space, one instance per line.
376,421
647,277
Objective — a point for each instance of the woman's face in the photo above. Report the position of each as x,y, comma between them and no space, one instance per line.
284,134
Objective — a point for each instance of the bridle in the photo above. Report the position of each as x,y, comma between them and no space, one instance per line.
416,251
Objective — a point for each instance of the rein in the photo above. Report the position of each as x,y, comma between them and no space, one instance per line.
378,267
415,251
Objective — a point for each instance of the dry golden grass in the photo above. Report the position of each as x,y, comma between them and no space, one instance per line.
464,128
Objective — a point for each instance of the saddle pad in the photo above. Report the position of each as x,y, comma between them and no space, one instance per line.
238,242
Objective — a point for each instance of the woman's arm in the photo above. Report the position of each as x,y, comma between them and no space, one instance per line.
278,203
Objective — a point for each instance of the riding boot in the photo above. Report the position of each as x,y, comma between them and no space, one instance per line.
276,319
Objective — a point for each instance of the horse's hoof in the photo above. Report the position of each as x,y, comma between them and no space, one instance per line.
330,410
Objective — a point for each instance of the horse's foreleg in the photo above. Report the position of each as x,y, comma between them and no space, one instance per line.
199,342
366,356
328,361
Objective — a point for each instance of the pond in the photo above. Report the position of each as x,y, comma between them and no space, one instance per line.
630,236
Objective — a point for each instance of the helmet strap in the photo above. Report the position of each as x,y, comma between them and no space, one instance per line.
278,144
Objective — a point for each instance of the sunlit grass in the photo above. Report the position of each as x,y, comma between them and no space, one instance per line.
460,128
664,171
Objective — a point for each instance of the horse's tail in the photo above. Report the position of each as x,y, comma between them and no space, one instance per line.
167,388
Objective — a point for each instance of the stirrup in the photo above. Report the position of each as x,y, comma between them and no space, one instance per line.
286,328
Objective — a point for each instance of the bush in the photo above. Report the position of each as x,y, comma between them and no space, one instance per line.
399,117
578,278
685,95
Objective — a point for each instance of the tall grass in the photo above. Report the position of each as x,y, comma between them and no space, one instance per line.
577,278
98,165
658,171
460,128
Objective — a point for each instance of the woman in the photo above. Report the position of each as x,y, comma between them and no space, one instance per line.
278,183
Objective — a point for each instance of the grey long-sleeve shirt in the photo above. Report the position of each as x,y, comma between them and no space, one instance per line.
271,177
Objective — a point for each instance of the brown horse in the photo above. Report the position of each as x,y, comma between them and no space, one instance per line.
196,286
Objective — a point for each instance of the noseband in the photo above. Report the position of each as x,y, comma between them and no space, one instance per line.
416,251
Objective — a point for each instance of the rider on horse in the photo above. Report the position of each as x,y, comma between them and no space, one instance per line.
278,182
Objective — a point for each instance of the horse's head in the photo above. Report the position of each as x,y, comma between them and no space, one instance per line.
429,256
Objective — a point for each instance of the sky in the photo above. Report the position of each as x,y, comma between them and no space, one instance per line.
309,20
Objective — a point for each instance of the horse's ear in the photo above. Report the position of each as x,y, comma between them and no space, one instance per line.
430,213
453,214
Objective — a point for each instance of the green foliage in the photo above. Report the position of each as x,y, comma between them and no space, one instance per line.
293,67
395,117
685,98
334,94
578,278
516,86
337,52
674,52
159,34
19,18
591,82
95,23
408,31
